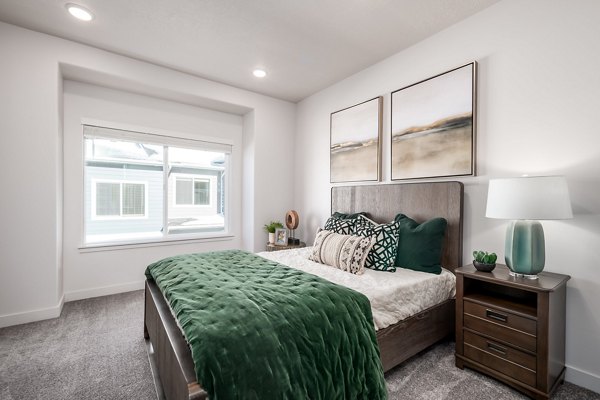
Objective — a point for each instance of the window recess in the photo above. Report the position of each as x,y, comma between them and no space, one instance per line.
141,187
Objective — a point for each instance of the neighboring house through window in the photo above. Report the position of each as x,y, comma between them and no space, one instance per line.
119,199
141,187
192,191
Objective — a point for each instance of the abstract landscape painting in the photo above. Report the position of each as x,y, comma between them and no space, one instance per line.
356,143
432,126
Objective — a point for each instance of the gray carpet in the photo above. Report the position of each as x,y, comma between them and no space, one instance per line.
432,375
96,350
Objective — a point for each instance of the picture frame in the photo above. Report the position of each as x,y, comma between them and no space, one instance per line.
433,126
281,237
355,142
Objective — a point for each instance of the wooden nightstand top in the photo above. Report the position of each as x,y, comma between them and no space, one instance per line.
546,282
275,247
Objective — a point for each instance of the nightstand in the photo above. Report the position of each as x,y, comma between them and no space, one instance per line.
512,329
274,247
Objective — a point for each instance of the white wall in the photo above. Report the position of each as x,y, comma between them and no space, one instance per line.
31,73
538,106
98,272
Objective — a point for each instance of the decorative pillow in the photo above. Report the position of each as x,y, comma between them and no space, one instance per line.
348,216
344,252
420,245
385,236
339,225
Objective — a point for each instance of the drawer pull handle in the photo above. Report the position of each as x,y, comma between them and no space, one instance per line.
496,348
496,315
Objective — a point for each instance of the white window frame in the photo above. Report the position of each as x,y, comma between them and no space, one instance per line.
193,178
96,217
168,139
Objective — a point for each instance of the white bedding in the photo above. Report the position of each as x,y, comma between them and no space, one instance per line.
393,296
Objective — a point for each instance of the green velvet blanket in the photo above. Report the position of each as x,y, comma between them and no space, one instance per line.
261,330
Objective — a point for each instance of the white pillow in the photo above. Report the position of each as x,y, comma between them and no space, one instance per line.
345,252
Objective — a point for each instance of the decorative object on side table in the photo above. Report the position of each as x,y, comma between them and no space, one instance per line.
281,237
484,261
526,200
270,228
291,221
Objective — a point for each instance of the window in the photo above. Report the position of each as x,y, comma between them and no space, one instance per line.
192,192
201,192
119,199
108,199
145,187
132,199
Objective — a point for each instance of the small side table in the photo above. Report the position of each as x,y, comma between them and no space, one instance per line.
512,329
274,247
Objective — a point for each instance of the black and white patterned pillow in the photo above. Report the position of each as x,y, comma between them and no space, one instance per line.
346,252
385,245
341,215
340,226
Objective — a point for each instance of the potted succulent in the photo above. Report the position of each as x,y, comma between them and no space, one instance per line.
484,261
270,229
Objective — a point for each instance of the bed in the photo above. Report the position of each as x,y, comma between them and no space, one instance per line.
397,342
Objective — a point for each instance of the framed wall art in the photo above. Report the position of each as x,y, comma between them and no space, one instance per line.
355,146
433,126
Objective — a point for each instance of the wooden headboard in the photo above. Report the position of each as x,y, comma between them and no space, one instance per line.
419,201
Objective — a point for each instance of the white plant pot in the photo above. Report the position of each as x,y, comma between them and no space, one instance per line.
271,238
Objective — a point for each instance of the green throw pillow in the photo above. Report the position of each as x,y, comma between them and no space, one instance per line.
385,236
420,245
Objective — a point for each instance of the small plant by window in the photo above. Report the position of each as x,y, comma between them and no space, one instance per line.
272,226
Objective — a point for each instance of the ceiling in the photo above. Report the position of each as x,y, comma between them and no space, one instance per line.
304,45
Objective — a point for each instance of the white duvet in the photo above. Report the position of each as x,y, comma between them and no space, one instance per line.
394,296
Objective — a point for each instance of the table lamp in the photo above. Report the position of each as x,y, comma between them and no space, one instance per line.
526,200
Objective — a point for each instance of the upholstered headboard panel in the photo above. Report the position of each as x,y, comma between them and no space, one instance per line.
420,201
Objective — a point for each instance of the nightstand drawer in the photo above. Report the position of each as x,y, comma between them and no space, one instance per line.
508,353
492,314
502,325
499,364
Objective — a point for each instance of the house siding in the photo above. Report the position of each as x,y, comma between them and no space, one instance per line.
152,222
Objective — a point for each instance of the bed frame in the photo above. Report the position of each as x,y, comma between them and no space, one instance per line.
172,357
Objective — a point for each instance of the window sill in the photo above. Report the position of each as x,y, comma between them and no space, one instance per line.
152,243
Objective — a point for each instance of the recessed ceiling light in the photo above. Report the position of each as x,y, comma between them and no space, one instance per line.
259,73
80,12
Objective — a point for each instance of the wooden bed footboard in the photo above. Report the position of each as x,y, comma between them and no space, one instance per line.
172,354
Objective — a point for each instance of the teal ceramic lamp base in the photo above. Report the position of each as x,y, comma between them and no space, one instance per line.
525,248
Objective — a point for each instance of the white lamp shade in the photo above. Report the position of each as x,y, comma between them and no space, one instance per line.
536,197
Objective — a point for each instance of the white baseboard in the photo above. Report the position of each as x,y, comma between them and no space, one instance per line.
583,378
54,312
32,316
103,291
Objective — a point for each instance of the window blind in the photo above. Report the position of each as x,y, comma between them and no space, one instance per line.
98,132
